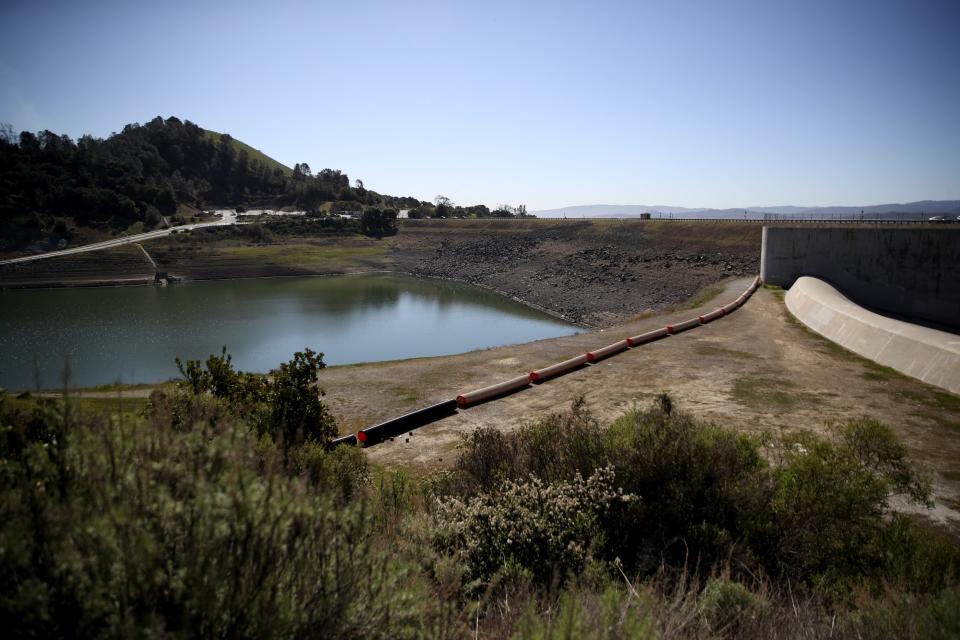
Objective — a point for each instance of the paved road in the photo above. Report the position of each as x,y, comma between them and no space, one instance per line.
227,217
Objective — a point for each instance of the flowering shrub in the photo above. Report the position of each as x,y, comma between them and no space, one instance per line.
547,529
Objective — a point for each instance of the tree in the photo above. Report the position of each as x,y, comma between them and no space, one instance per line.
286,405
301,171
444,207
379,222
6,133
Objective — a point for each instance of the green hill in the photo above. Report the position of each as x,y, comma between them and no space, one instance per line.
253,153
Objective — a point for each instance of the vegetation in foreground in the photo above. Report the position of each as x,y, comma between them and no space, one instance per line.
220,512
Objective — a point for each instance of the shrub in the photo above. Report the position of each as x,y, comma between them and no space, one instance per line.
342,472
709,496
831,502
378,222
905,615
555,448
610,614
726,604
877,448
284,405
915,558
201,527
549,530
701,486
137,529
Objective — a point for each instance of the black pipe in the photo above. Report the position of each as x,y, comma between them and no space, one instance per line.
407,422
348,440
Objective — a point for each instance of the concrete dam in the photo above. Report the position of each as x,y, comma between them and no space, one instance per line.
890,295
910,273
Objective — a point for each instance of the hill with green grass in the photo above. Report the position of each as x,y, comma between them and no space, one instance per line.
253,154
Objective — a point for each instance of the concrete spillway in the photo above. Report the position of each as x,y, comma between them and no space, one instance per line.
928,354
912,273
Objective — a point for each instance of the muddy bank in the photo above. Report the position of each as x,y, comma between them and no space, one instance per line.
594,273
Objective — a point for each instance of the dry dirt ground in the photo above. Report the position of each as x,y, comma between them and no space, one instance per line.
757,369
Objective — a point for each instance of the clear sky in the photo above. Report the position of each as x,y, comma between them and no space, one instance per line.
712,103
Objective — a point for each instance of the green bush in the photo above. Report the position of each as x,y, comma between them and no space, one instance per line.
726,605
555,448
915,558
906,615
830,507
191,521
708,495
701,487
342,472
284,405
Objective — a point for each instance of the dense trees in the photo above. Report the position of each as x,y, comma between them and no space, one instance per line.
138,175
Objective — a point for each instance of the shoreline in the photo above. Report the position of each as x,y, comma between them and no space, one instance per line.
142,389
143,282
587,274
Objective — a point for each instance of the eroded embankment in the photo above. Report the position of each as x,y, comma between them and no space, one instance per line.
593,273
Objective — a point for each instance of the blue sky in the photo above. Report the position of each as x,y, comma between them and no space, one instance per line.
720,104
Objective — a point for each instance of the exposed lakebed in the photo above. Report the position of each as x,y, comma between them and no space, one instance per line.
133,334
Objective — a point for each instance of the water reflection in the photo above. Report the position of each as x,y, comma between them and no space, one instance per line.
132,334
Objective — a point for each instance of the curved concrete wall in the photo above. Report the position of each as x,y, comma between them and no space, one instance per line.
930,355
908,272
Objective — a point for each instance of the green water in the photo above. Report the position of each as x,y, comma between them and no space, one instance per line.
132,334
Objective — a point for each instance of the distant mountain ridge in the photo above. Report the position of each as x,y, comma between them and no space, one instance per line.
909,210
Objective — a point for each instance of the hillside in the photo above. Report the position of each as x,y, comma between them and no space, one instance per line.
254,154
57,192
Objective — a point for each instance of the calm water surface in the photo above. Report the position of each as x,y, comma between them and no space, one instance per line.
132,334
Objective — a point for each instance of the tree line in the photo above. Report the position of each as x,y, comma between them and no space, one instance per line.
444,207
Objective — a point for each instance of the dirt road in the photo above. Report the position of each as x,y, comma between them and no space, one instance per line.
227,217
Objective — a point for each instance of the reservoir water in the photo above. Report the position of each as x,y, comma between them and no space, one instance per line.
132,334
